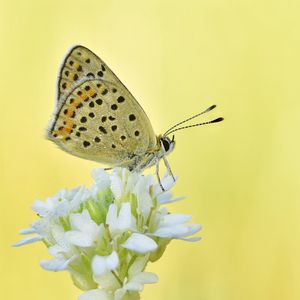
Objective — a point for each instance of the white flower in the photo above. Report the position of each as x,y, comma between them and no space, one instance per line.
140,243
58,205
105,236
144,199
62,251
122,221
56,264
45,208
167,182
80,196
28,240
102,181
86,232
174,226
96,294
134,283
103,264
136,278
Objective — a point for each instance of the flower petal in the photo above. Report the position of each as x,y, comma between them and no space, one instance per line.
116,185
99,265
121,223
56,265
177,231
41,227
138,266
79,197
119,293
29,230
112,261
167,182
107,281
193,239
125,217
103,264
41,208
101,178
145,201
56,250
164,199
140,243
145,278
78,238
111,216
83,222
58,234
133,286
174,219
28,240
96,294
131,182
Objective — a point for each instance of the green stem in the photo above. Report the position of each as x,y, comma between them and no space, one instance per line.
108,232
117,277
149,217
133,258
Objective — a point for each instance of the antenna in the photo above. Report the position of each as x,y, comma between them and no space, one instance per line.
191,118
170,130
195,125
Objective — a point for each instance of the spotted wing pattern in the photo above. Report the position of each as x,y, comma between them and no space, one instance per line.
79,65
96,117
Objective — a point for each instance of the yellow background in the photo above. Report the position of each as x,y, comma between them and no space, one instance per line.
241,177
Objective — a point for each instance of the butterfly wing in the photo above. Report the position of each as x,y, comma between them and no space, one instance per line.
96,116
79,65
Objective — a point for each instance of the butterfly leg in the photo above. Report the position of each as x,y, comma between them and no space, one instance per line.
157,174
168,167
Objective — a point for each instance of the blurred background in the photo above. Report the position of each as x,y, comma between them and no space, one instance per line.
240,177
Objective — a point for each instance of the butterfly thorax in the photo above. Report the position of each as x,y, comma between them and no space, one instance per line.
164,146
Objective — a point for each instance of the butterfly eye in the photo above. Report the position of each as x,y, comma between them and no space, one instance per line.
166,144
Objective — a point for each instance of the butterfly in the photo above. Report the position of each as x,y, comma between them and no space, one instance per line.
97,118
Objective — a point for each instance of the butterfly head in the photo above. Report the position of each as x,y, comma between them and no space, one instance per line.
167,144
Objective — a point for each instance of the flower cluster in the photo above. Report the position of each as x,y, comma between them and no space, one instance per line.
105,236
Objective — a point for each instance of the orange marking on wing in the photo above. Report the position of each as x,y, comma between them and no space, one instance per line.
91,92
57,134
64,131
76,102
83,95
69,126
70,112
